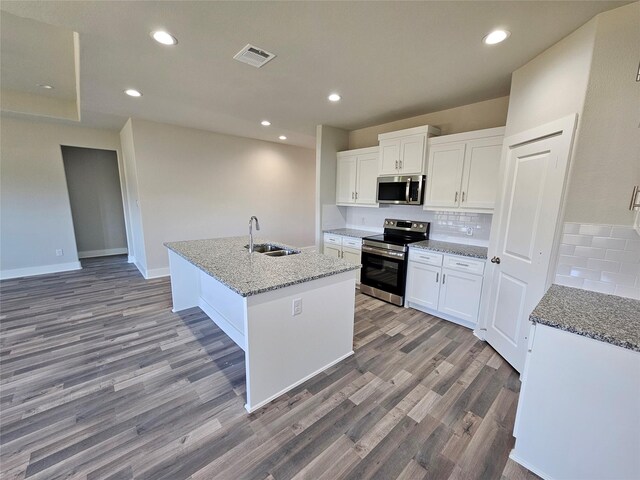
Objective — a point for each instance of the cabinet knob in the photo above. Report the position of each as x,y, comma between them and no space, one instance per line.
495,260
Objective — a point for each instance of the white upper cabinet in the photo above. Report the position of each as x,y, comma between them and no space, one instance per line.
404,152
462,171
356,177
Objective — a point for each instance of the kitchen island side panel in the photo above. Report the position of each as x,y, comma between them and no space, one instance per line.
284,350
578,414
185,282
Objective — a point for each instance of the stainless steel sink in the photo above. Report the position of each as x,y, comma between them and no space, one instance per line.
265,247
282,253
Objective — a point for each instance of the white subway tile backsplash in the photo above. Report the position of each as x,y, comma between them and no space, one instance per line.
625,232
595,230
602,258
622,256
574,261
629,292
602,265
569,281
567,249
570,239
590,252
571,228
606,242
601,287
584,273
618,279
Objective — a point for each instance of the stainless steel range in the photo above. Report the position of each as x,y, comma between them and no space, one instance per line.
384,259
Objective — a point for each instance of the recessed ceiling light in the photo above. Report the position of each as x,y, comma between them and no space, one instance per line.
45,86
334,97
133,92
282,137
496,36
165,38
265,123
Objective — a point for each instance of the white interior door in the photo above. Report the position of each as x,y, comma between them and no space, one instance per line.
534,173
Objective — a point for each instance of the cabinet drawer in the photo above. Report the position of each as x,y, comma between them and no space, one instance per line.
424,256
352,242
464,264
334,239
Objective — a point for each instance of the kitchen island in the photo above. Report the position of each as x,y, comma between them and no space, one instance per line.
578,414
292,315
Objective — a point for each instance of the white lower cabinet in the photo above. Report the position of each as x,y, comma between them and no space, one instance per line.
347,248
448,286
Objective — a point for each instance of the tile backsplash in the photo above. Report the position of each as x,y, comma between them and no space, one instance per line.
446,226
601,258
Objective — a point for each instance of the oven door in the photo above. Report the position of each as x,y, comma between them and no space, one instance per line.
384,272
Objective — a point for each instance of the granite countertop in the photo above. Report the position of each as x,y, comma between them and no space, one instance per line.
603,317
452,248
226,260
351,232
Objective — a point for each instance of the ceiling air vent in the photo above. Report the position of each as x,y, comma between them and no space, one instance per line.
254,56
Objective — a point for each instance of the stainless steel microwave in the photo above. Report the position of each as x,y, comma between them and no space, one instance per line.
401,190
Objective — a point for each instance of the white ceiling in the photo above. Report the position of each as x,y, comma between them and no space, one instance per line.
389,60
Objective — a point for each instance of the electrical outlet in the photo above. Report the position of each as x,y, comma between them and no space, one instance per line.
297,306
59,252
470,231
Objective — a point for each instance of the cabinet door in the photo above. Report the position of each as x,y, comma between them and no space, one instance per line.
460,294
352,255
423,284
480,178
346,180
332,251
444,175
367,177
412,154
389,156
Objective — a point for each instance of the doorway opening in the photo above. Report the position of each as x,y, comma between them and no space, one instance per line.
95,195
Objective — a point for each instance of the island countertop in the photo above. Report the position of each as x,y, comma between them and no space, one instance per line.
603,317
226,260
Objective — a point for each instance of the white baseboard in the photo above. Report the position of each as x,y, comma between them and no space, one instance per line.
41,270
131,259
156,273
516,458
102,253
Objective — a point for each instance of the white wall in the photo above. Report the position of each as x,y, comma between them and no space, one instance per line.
35,216
93,182
137,252
197,184
607,155
329,141
553,84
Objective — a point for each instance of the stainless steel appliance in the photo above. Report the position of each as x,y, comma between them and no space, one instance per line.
401,190
384,259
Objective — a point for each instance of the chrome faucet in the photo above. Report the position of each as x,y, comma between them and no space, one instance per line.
251,231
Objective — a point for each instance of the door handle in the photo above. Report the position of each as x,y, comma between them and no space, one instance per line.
401,164
462,197
396,164
456,199
437,276
495,260
356,195
352,196
443,277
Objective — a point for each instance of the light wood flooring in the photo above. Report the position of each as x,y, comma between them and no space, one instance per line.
99,379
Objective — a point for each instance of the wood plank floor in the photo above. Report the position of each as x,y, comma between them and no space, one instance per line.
100,380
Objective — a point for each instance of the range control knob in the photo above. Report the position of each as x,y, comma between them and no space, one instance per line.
421,225
415,225
386,222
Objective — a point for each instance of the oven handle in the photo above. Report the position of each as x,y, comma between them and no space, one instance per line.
383,253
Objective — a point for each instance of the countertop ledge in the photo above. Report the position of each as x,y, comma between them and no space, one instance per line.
226,260
608,318
452,248
350,232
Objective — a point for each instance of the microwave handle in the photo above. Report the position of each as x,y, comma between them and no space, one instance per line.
408,190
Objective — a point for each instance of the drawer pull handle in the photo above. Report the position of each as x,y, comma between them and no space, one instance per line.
462,264
437,276
443,277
